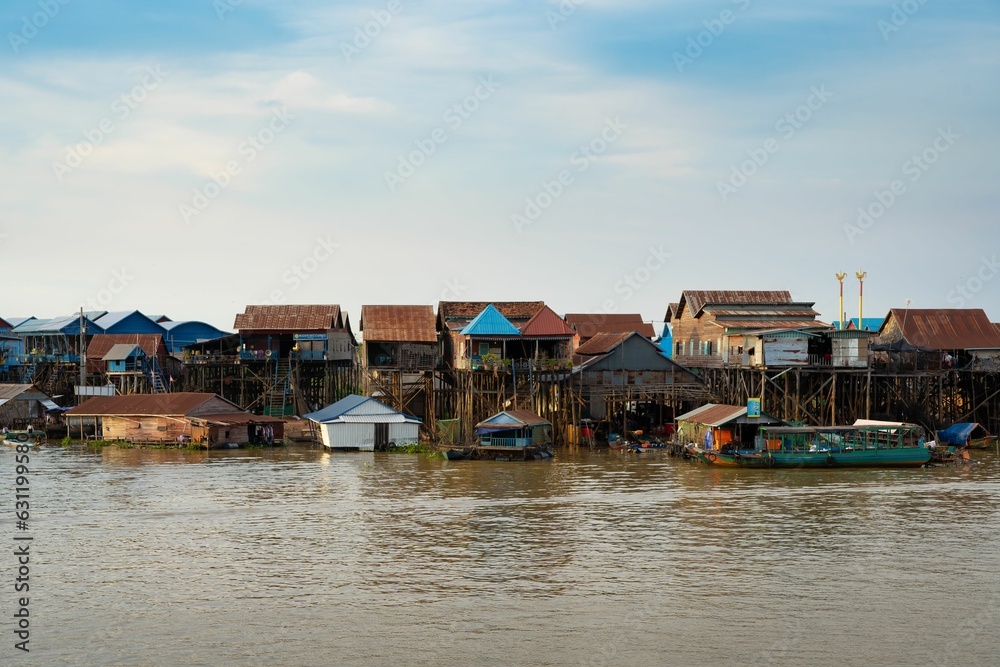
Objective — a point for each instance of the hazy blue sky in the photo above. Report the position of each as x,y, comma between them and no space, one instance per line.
599,155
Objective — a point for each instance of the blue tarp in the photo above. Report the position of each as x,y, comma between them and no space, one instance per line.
960,434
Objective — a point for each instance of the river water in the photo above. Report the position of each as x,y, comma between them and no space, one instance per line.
294,556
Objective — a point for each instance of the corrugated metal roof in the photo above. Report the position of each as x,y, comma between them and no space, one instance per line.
603,343
466,310
414,324
17,321
354,406
800,310
671,311
398,418
289,318
238,418
100,344
66,324
180,403
697,299
946,328
120,351
490,323
4,324
589,325
719,414
753,326
8,391
110,319
514,417
546,323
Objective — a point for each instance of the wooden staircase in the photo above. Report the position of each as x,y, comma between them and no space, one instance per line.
280,393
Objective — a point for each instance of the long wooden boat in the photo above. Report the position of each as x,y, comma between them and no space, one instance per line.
825,447
24,438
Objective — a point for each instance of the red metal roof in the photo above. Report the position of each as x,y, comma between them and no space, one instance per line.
589,325
291,318
718,414
546,323
602,343
177,404
467,310
414,324
946,328
696,300
101,344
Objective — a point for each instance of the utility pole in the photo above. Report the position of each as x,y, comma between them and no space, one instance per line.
83,353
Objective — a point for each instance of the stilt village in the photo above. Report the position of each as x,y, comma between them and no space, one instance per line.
443,375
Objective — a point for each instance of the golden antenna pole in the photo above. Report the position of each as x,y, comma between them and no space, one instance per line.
840,315
861,296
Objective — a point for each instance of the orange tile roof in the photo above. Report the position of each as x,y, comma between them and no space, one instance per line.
589,325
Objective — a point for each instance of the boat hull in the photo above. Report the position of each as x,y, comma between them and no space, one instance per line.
904,457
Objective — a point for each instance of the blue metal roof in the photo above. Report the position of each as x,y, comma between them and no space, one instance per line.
335,410
69,325
490,323
128,322
869,323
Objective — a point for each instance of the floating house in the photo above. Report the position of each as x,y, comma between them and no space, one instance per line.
714,426
133,363
303,332
57,339
183,417
519,431
365,424
403,337
746,328
23,404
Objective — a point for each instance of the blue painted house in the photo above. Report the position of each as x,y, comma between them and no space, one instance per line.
125,358
56,339
485,339
179,335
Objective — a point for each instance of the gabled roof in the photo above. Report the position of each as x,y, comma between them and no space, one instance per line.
513,419
869,324
66,325
546,324
589,325
18,321
4,324
289,318
359,409
100,344
718,414
458,313
603,343
178,404
414,324
9,391
122,351
671,312
696,300
108,320
945,328
490,323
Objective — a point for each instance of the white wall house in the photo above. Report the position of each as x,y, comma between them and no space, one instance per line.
365,424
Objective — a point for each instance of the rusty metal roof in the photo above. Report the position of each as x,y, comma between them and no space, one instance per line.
603,343
465,311
946,328
101,344
769,325
414,324
589,325
671,311
696,300
783,310
180,403
291,318
718,414
546,324
238,418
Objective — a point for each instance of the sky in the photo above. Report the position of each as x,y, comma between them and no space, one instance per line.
190,157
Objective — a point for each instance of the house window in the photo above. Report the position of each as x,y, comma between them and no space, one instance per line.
680,348
484,349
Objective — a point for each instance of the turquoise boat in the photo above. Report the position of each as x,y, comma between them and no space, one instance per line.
826,447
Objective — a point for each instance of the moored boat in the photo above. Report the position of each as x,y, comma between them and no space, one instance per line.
965,434
28,438
825,447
